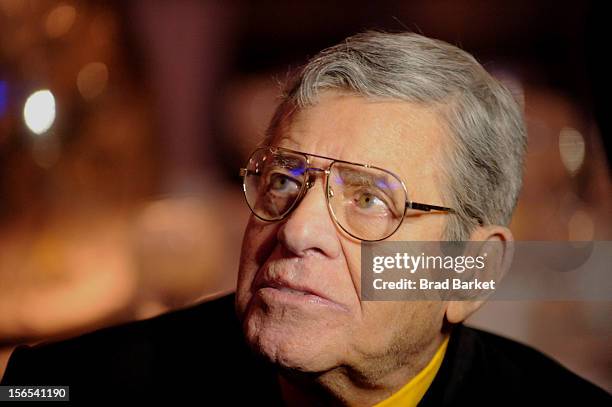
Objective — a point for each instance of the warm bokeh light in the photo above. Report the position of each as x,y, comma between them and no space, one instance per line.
39,111
12,8
571,148
60,20
92,80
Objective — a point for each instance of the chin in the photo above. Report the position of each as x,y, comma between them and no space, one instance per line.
291,343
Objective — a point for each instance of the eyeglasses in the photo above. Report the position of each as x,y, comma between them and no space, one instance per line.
369,203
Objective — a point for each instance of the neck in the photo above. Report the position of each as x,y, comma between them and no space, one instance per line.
351,386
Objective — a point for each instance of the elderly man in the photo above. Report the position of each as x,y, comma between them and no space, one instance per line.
420,114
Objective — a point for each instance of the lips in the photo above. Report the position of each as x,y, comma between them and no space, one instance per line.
288,286
277,289
292,291
292,288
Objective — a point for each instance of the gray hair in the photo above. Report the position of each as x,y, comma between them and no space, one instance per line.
483,162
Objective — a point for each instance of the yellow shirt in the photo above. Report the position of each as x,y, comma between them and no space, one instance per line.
415,389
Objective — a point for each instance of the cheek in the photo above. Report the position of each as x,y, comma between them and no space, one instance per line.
405,325
352,256
259,241
421,227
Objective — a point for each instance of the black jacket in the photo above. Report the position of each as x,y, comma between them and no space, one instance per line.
198,354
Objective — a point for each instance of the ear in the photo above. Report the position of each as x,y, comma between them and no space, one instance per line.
496,241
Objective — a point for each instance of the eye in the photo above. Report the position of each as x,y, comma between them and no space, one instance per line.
283,184
367,200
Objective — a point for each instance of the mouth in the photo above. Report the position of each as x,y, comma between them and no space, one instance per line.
292,291
290,294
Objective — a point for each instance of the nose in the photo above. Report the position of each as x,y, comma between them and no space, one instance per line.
309,229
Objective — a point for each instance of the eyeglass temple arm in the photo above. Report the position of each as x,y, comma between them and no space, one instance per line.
427,208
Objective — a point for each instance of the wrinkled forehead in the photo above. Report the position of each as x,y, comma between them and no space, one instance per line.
396,135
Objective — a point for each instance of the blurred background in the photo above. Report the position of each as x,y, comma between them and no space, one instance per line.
123,125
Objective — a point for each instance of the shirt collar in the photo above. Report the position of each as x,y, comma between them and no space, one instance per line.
413,391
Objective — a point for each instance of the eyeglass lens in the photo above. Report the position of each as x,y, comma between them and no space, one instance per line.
368,203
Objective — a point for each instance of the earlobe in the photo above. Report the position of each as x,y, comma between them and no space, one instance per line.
458,311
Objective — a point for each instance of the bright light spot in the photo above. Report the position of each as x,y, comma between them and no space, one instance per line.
92,80
39,111
60,20
572,149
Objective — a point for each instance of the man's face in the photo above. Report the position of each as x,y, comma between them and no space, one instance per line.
308,252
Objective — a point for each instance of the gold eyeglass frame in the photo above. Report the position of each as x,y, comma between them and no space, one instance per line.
310,181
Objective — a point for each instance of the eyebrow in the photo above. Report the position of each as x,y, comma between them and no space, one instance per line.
362,177
356,177
286,161
293,164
